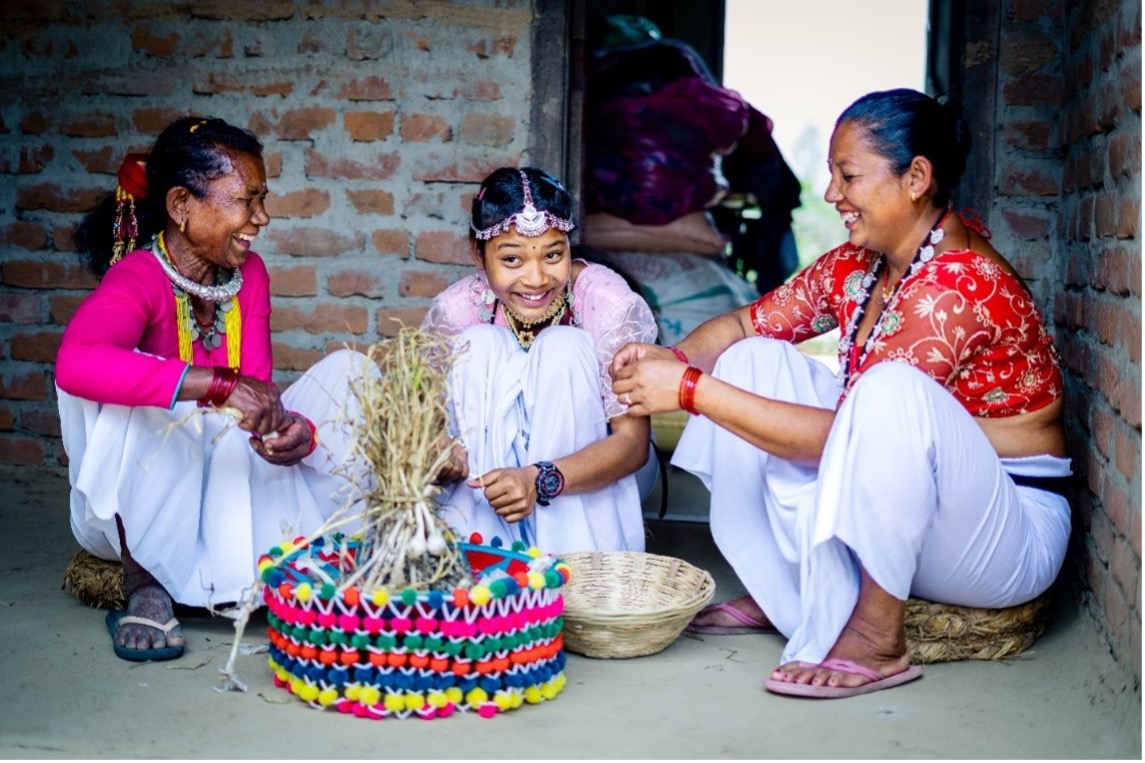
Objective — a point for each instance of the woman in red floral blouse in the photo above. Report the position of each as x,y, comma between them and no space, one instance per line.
932,464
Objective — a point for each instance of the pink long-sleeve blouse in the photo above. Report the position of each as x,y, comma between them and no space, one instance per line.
122,345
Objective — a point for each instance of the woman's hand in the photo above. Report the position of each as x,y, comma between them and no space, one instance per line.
456,467
260,407
511,492
650,384
637,351
289,445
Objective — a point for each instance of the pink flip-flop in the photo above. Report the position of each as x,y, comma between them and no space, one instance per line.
877,682
750,624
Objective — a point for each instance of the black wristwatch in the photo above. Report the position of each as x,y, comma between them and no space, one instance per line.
550,482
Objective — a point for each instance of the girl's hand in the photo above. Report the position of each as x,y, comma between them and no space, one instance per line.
457,466
511,492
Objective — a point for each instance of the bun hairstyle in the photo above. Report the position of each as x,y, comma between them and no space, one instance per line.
190,152
502,195
902,124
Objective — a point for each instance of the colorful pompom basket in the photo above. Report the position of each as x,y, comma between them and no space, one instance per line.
376,654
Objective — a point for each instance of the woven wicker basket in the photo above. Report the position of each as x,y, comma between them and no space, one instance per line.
629,603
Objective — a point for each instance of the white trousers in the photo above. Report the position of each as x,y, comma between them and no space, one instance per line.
908,487
513,408
198,505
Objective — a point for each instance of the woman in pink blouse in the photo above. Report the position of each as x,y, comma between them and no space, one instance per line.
549,454
934,462
188,501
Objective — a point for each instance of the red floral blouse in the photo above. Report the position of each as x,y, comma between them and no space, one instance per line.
964,320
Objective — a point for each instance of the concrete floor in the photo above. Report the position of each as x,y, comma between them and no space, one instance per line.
65,694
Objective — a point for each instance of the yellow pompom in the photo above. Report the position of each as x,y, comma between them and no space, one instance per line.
264,564
518,700
536,581
303,591
533,695
453,694
415,701
286,547
503,700
309,692
476,696
296,686
548,690
480,595
437,699
353,691
370,696
534,552
328,697
380,597
395,703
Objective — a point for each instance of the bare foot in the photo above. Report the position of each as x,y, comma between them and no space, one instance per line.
718,617
874,638
153,603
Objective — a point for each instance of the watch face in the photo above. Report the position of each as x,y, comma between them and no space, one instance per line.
550,482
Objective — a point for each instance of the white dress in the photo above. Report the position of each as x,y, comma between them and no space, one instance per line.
513,408
908,486
198,504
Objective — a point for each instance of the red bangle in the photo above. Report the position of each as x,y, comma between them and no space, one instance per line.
688,389
223,383
313,433
679,355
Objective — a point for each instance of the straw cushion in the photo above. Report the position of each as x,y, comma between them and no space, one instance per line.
95,582
945,632
629,603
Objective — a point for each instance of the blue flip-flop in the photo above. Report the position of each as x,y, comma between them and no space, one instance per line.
118,617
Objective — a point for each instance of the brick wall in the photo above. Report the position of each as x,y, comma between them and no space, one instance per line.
1066,158
378,118
1097,305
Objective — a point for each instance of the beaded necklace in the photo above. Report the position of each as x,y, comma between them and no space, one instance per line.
526,331
854,356
226,317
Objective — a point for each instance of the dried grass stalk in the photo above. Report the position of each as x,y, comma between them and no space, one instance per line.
402,435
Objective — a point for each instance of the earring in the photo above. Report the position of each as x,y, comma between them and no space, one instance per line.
488,299
913,197
183,225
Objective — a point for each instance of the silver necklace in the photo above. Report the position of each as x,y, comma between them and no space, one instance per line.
216,293
848,363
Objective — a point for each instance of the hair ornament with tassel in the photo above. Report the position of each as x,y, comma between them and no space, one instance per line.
131,186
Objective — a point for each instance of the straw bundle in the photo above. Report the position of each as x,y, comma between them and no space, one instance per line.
401,434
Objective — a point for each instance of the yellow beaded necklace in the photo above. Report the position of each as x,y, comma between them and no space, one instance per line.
185,321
